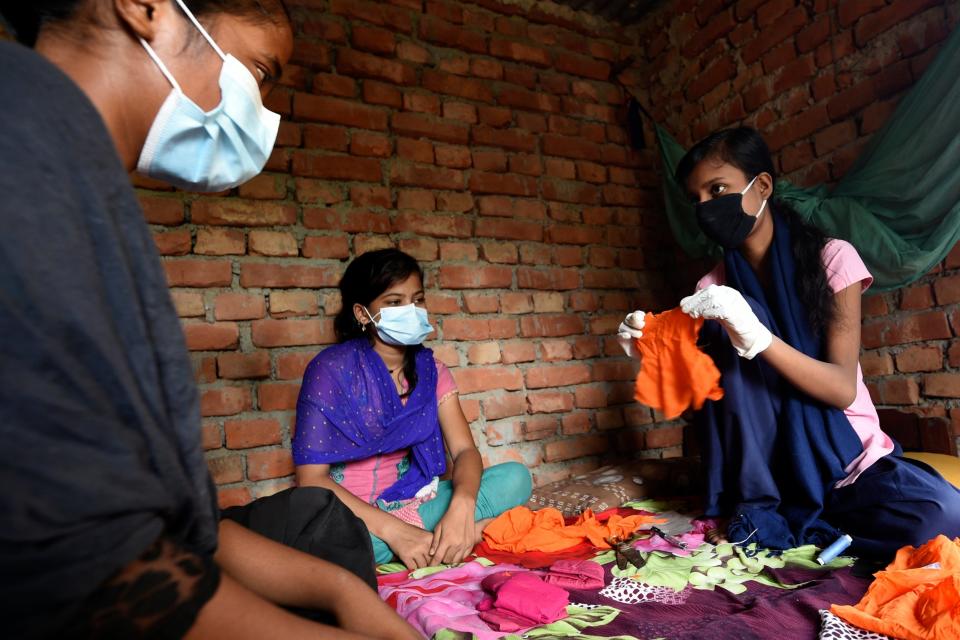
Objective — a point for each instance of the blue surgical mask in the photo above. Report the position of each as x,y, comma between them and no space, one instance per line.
214,150
402,326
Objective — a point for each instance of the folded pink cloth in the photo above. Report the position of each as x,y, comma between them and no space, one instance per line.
575,574
521,600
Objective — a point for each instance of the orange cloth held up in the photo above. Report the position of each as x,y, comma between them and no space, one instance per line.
910,601
674,373
520,530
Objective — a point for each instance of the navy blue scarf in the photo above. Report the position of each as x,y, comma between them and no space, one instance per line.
772,453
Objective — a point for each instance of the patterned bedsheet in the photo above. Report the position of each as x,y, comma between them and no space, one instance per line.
722,591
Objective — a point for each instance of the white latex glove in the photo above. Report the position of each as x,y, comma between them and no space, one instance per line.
629,330
747,334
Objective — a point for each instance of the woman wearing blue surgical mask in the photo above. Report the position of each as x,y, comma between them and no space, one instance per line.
378,416
108,519
794,452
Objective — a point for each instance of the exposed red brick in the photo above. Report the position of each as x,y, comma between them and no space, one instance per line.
715,29
246,434
198,273
363,65
290,366
500,253
944,385
441,226
549,402
470,277
448,84
575,448
277,396
211,337
579,65
239,306
337,111
550,326
834,136
332,167
438,31
875,363
270,274
528,99
913,359
916,297
773,35
226,469
484,353
505,229
173,243
264,465
474,379
238,366
326,247
548,279
889,16
417,125
850,11
519,52
514,139
372,39
289,333
413,175
664,437
225,401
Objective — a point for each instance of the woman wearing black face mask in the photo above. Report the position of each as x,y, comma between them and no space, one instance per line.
794,451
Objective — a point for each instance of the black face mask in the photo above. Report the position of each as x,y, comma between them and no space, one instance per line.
724,221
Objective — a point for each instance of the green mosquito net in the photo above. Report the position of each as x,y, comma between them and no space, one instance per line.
899,204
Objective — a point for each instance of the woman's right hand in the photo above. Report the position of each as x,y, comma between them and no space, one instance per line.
411,544
629,330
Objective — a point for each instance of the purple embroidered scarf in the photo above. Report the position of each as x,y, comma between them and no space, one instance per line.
349,409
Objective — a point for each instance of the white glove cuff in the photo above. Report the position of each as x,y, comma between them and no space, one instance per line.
759,345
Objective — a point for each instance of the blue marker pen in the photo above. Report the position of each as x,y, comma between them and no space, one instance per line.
839,546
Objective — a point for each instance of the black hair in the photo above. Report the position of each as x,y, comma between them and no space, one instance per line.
365,279
27,18
745,149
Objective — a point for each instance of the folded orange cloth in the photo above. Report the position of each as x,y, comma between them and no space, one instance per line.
674,373
520,530
916,597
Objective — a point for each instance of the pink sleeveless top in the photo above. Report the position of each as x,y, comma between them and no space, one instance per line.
844,267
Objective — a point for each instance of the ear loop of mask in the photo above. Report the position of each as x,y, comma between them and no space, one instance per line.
763,205
200,28
163,68
370,316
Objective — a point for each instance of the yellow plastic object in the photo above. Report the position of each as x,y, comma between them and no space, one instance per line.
948,466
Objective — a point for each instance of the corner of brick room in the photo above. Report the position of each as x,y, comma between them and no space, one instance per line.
486,139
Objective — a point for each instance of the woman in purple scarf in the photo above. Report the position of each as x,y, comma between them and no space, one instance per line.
375,413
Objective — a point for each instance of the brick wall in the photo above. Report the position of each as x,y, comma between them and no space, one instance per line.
818,78
484,139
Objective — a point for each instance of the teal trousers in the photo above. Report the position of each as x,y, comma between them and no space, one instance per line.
502,487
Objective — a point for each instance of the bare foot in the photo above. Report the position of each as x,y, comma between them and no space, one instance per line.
718,535
481,525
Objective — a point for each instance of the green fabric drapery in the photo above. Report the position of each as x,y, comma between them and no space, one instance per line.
899,204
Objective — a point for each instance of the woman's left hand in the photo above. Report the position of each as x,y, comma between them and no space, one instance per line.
456,534
747,334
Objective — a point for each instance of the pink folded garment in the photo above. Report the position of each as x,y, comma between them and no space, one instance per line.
575,574
521,600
